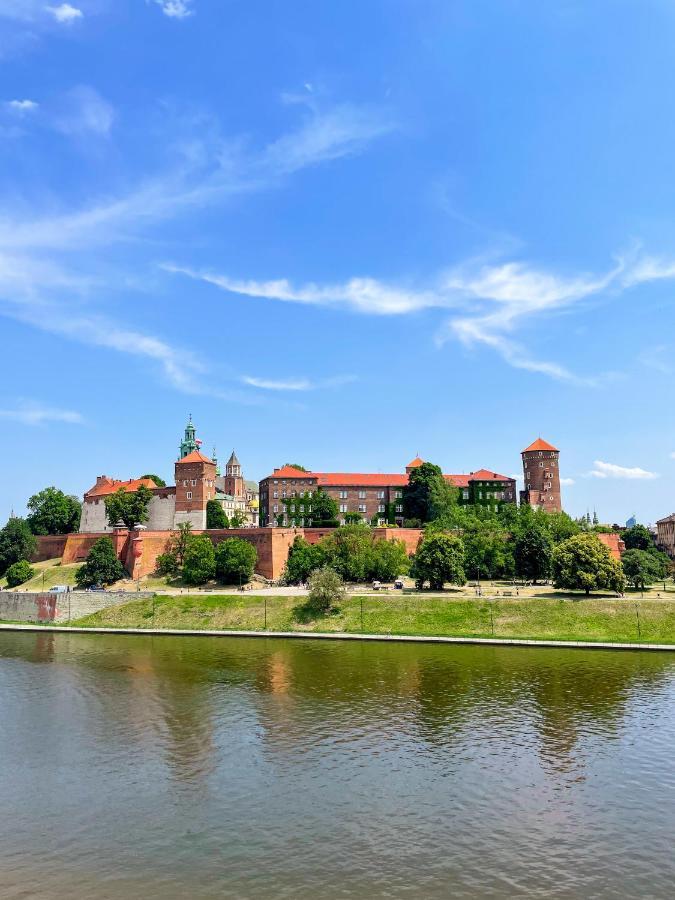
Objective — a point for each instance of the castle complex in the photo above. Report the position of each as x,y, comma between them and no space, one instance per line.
198,480
374,497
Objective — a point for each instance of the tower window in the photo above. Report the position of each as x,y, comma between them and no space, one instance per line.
189,495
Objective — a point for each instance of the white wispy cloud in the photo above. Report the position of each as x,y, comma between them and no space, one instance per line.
611,470
40,284
83,111
567,481
31,413
491,302
296,384
672,455
65,13
176,9
22,106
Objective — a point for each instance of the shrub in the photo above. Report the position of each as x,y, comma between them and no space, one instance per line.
235,561
325,590
19,572
167,564
16,542
215,515
101,566
199,561
388,560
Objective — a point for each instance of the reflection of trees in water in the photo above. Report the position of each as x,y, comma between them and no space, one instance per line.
297,692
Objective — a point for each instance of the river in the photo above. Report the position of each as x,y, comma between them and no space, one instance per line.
172,767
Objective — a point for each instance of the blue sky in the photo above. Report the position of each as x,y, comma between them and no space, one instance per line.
339,234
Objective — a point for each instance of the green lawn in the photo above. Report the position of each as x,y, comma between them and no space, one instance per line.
53,572
593,619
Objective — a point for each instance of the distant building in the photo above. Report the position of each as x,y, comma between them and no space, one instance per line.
665,535
373,496
541,473
632,522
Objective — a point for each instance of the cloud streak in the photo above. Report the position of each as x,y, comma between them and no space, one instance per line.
31,413
611,470
296,384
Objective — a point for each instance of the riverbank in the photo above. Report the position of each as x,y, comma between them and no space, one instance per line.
609,620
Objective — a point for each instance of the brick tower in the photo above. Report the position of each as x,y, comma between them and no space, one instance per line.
233,482
195,486
541,471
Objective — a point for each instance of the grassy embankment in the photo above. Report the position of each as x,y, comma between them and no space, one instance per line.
558,617
47,574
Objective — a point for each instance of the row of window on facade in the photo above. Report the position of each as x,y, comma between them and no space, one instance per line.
193,481
547,486
343,495
541,464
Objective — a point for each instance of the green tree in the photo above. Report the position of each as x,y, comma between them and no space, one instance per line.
53,512
348,550
641,568
428,496
166,564
199,561
129,506
19,572
353,518
16,542
235,561
562,526
101,565
388,560
158,481
297,466
485,550
439,559
326,590
180,540
215,515
324,510
638,538
533,552
303,559
238,519
584,563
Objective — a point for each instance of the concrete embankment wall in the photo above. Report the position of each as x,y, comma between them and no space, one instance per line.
27,606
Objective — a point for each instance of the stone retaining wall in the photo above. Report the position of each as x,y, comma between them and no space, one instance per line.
27,606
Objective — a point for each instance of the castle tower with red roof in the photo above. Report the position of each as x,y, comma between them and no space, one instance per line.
541,472
195,486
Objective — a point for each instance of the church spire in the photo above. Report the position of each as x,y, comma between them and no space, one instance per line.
188,444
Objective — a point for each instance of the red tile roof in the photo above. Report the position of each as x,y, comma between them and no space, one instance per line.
415,463
379,479
369,479
110,485
194,457
291,472
540,444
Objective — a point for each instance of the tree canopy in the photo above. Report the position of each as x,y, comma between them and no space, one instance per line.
216,516
19,573
641,568
101,565
439,560
584,563
16,542
533,551
199,561
129,506
428,496
638,537
53,512
235,561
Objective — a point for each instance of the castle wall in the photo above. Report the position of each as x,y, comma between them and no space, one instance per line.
49,546
161,511
93,517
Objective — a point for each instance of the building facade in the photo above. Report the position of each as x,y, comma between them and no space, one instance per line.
665,535
375,497
541,474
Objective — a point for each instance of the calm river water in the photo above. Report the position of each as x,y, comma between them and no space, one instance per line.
198,768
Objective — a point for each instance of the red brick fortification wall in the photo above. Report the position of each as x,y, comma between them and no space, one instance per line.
79,544
49,546
615,544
